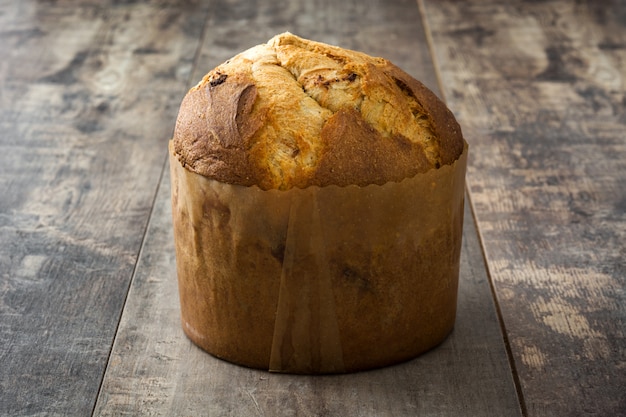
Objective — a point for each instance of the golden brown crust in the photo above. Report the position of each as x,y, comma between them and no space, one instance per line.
443,123
295,113
208,138
357,154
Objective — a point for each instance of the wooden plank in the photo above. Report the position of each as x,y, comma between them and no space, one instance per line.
88,94
539,89
155,370
390,29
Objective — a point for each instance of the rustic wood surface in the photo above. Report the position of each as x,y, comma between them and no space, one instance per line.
540,89
87,98
89,316
154,369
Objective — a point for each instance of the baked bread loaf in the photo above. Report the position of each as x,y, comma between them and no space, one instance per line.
296,113
317,203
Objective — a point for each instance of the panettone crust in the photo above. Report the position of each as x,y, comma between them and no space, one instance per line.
295,113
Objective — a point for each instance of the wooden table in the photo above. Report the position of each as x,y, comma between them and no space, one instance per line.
89,315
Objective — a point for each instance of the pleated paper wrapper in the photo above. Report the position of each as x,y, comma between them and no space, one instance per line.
321,279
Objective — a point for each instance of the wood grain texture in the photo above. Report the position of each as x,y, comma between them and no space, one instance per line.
539,88
390,29
155,370
88,92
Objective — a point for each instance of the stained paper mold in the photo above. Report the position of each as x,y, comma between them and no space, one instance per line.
322,279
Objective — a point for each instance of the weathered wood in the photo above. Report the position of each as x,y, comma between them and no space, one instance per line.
539,89
390,29
88,95
88,92
155,370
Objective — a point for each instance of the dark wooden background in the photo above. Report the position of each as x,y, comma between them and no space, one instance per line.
89,320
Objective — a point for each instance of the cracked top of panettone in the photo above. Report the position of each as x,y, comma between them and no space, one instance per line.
296,113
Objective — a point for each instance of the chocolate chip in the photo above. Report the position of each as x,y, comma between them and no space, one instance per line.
279,252
219,80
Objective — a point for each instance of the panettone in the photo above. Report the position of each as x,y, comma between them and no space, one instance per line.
317,198
295,113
